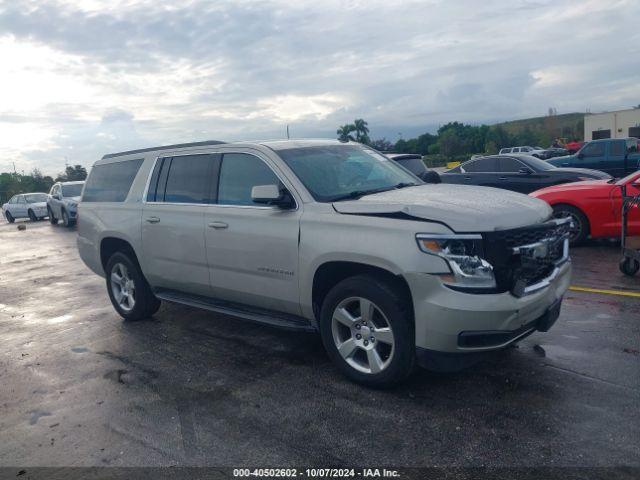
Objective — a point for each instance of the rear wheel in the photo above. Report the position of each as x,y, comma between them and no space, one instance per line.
368,332
629,266
580,224
9,217
128,290
52,219
32,216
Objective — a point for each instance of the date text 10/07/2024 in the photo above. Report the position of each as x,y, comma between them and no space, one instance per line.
316,472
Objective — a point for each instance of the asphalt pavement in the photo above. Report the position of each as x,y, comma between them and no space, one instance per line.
80,387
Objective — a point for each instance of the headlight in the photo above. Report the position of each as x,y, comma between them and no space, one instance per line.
463,254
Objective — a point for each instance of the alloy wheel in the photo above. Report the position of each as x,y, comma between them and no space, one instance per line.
123,287
363,335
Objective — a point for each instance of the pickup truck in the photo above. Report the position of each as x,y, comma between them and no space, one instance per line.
616,156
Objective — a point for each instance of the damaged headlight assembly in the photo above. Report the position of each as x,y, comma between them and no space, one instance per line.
463,253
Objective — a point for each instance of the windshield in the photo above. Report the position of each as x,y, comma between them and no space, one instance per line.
72,190
332,172
36,197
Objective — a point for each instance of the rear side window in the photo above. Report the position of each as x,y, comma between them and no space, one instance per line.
184,179
111,182
239,173
618,148
481,165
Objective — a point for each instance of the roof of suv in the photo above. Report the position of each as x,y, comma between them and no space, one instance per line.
75,182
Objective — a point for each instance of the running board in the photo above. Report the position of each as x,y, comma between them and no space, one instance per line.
266,317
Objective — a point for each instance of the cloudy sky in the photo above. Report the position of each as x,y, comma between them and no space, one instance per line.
81,78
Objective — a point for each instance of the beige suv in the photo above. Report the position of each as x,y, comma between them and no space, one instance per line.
326,236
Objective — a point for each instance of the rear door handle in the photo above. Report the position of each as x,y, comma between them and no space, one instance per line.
218,225
153,220
503,178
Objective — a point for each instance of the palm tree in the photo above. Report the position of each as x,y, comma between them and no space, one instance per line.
362,131
344,132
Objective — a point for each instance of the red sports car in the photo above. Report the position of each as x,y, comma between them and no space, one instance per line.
594,205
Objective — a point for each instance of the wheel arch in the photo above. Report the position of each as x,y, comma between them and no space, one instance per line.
330,273
110,245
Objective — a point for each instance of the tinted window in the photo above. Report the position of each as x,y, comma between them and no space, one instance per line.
111,182
509,165
74,190
188,179
414,165
481,165
239,173
595,149
36,197
617,148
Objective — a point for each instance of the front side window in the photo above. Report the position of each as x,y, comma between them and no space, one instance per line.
74,190
414,165
595,149
13,200
188,179
336,172
239,173
111,182
36,197
509,165
21,199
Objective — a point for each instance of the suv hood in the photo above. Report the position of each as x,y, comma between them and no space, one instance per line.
463,208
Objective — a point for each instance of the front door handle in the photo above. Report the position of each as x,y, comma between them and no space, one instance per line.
503,178
153,220
218,225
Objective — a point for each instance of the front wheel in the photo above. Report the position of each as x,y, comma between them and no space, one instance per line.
368,331
32,216
579,230
66,220
9,217
128,290
629,266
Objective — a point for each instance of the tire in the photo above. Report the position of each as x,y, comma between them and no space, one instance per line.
378,363
52,219
32,216
66,220
581,230
140,302
9,217
629,266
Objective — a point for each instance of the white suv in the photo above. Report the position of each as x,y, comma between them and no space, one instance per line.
326,236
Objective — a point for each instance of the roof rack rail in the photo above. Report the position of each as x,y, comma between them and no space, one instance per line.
164,147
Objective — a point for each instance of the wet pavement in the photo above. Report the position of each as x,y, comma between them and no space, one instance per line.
79,387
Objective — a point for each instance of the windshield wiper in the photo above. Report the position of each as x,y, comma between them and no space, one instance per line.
361,193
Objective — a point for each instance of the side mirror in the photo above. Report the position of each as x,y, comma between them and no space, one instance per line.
430,176
272,195
525,171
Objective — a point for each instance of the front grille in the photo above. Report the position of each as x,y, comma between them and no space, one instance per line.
523,257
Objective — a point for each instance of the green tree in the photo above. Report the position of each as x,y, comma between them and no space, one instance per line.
344,132
72,174
362,130
382,145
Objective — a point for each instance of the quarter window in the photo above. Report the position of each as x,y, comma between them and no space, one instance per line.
239,173
111,182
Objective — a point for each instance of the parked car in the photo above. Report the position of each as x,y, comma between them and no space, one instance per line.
594,206
538,152
62,203
520,173
552,152
616,156
298,234
413,162
26,205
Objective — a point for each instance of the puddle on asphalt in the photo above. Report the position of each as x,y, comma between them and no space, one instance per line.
60,319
